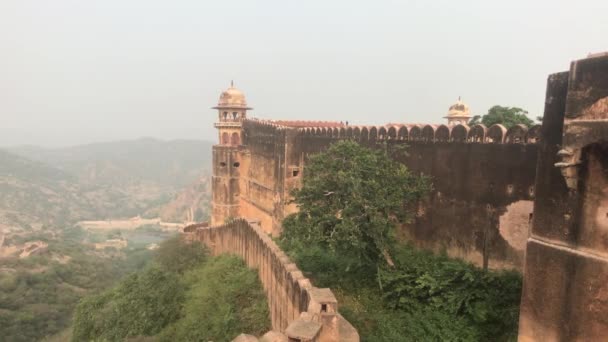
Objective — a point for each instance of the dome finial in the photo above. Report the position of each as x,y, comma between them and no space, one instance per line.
232,98
458,97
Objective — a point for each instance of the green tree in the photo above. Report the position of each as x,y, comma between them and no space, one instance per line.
142,304
177,255
350,201
506,116
224,299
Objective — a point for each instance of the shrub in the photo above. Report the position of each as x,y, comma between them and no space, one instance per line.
177,255
425,297
142,304
224,300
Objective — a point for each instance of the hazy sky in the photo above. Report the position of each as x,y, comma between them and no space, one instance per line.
83,71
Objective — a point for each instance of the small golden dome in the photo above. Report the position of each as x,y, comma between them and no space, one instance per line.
232,98
459,109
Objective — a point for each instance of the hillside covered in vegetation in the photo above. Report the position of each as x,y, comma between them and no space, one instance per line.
38,293
49,259
103,180
185,295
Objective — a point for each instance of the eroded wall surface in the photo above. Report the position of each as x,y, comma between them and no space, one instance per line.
482,199
565,292
262,178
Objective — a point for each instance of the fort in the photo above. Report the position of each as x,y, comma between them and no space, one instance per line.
483,177
530,199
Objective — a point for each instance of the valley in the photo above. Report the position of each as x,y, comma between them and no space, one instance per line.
75,220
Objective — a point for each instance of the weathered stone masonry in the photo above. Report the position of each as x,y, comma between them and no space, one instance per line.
485,181
483,184
298,310
483,178
565,293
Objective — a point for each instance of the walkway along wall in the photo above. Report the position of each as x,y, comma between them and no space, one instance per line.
299,310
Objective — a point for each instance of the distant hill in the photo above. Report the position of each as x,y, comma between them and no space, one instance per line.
47,263
174,163
99,181
192,203
32,192
18,167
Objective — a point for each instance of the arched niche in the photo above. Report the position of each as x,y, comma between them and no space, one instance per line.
373,133
402,134
442,134
533,135
235,139
428,133
335,132
364,134
496,134
392,133
477,133
516,134
357,133
415,133
459,133
382,133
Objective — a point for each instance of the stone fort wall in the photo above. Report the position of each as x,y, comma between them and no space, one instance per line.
565,289
483,181
298,310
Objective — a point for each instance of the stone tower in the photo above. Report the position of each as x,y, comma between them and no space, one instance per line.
458,114
232,110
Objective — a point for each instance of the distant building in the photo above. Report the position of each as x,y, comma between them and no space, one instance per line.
458,114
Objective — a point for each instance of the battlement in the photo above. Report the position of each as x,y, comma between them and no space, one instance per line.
497,134
299,311
489,185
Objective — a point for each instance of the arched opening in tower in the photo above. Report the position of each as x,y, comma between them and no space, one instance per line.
235,140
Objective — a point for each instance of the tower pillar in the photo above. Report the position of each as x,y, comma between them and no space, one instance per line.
232,110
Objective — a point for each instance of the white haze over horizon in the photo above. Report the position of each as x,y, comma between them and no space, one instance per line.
76,72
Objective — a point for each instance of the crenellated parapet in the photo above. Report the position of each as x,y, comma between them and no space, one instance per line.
299,311
497,134
261,131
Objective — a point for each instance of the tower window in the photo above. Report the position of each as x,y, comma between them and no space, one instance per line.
234,115
235,139
295,173
222,164
225,115
236,164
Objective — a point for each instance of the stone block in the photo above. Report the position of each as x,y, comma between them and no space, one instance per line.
273,336
565,295
245,338
302,330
